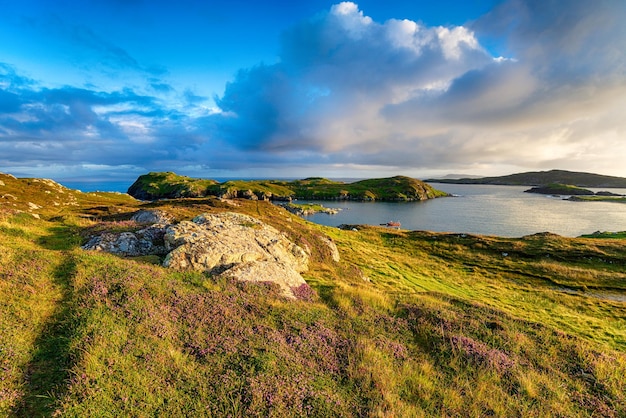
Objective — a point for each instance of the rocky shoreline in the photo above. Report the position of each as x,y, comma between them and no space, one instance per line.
309,209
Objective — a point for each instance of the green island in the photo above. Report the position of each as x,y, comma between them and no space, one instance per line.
168,185
598,198
390,322
558,189
577,194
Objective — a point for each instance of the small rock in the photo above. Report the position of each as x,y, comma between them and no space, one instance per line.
267,271
154,216
334,252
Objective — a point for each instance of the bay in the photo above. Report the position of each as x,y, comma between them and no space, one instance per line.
487,210
97,186
476,209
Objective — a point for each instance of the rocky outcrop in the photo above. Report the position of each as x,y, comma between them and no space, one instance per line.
308,210
238,246
225,244
147,241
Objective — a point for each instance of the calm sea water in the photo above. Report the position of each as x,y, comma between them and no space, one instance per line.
489,210
98,186
478,209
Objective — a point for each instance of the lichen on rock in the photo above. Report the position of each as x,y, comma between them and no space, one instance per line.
238,246
225,244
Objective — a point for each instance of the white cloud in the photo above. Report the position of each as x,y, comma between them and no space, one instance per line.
351,93
351,18
360,66
454,40
401,94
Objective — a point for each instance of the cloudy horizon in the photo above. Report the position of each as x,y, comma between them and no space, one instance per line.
331,89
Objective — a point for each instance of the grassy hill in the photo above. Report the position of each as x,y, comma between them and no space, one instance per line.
540,178
169,185
406,324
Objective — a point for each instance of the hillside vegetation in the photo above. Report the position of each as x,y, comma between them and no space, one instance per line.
154,186
405,324
541,178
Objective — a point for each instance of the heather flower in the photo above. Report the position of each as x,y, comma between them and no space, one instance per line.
482,354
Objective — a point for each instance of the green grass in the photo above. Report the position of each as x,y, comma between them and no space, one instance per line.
606,234
406,324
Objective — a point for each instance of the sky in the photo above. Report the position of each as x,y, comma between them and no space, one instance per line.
112,89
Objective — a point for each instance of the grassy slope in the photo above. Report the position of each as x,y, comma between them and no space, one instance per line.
451,325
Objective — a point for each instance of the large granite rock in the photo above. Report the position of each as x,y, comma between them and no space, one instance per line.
225,244
238,246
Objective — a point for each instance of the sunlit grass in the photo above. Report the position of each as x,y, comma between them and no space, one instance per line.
406,324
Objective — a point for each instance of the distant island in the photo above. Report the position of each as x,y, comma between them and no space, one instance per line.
576,193
559,189
168,185
542,178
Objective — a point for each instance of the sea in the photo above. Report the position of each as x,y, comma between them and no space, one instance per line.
504,211
473,209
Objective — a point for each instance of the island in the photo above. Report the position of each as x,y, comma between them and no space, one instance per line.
598,198
540,178
168,185
577,194
560,189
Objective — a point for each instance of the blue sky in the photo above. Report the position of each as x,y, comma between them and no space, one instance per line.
114,89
